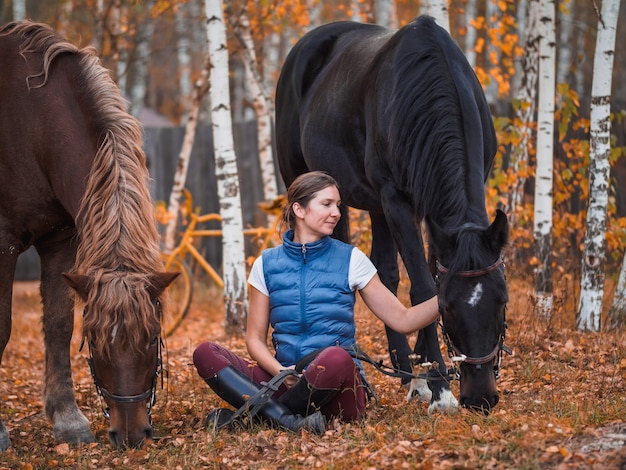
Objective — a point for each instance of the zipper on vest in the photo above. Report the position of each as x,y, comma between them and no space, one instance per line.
304,253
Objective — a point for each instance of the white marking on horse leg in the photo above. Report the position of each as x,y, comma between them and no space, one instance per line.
418,388
446,403
476,295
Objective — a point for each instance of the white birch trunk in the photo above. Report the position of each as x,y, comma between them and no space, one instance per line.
491,89
616,317
439,10
471,35
566,26
114,24
180,177
592,279
521,17
544,176
234,263
184,61
386,14
525,107
99,27
271,62
19,10
142,61
263,109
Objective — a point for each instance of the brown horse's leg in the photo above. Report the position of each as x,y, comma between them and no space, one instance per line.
8,260
69,424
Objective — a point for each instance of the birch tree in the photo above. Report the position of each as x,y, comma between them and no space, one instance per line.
234,264
592,279
524,106
262,107
386,14
543,178
616,318
472,34
184,60
19,10
200,90
145,30
439,9
566,36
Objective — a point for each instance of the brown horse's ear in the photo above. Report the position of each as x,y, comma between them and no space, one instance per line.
159,281
80,283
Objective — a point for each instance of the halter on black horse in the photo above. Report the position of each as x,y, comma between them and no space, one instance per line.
454,352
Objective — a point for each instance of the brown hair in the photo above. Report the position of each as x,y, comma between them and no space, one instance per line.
302,190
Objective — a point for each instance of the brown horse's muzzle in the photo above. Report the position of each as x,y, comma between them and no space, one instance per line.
122,436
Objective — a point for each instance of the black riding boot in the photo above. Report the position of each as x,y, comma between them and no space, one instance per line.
235,388
304,399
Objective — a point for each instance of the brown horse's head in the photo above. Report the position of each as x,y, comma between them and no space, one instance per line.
121,325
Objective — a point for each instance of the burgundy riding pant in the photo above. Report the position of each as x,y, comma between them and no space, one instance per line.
333,368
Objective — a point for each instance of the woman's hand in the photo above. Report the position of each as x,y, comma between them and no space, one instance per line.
291,380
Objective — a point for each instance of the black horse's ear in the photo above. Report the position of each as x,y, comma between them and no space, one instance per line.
499,230
80,283
159,282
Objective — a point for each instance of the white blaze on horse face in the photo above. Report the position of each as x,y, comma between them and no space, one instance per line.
113,334
476,295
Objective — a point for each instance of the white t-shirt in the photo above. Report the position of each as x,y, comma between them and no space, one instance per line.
361,272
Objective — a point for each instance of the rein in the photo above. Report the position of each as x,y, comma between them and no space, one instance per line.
455,354
150,394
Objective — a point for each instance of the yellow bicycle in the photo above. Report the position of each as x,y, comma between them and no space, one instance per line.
181,291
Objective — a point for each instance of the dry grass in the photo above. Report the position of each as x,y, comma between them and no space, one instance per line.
563,405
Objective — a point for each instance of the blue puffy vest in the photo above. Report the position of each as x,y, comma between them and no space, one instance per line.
311,303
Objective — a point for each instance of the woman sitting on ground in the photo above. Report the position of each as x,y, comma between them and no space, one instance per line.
305,289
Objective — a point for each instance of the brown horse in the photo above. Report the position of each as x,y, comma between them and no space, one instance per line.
74,184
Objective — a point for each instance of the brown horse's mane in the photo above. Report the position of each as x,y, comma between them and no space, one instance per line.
118,239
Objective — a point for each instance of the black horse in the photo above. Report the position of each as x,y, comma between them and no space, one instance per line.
401,121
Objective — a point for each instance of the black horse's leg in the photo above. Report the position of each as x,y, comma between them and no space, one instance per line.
384,255
423,347
8,260
69,424
401,219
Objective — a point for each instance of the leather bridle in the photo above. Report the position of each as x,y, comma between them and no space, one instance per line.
149,394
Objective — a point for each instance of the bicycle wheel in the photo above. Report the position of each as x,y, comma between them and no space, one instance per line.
179,294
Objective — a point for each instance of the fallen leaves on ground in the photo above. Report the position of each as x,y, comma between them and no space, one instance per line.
562,405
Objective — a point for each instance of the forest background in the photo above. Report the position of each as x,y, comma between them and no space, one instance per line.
156,50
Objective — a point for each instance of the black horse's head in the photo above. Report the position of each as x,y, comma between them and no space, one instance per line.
472,302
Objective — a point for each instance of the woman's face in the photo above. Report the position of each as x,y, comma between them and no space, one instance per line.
320,216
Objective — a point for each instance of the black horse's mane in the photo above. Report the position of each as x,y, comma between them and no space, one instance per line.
427,127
